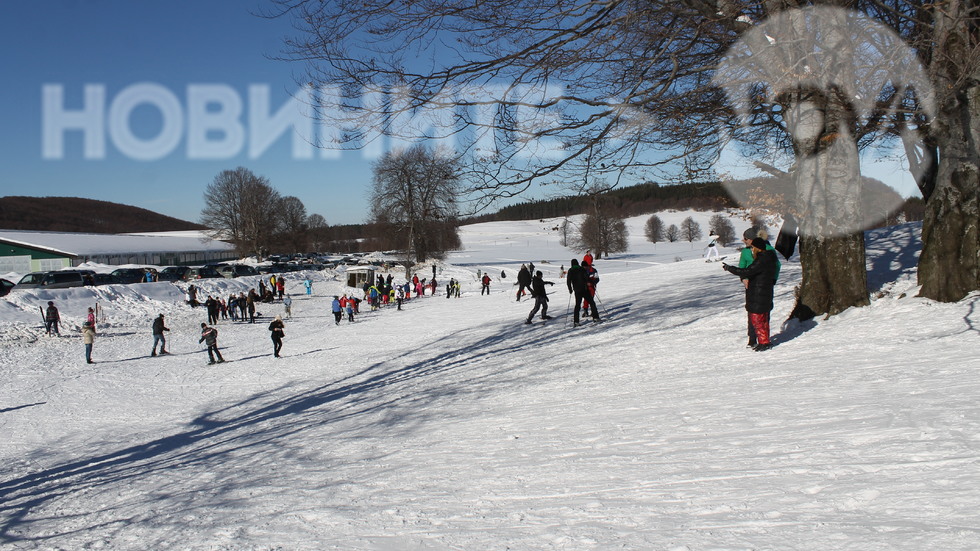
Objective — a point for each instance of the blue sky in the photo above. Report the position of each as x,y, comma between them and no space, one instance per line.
172,46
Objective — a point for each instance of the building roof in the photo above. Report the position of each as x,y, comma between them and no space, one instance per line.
92,244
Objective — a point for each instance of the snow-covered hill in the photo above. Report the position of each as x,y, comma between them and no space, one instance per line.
452,425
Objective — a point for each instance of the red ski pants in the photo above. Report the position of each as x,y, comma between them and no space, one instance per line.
760,322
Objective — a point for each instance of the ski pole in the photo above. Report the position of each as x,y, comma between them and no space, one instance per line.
605,313
567,308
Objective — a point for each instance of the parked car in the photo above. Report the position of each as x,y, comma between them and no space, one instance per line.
31,280
5,286
105,279
237,270
130,275
59,279
203,272
271,269
174,273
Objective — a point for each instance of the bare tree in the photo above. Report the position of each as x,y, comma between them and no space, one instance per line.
655,229
292,222
721,226
604,233
691,230
554,89
414,197
318,231
673,233
240,207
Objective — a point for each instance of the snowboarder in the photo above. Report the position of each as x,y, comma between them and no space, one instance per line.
540,297
158,329
51,319
209,336
278,329
523,281
577,281
88,338
761,276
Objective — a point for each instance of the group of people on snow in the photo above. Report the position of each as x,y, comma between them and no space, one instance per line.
758,269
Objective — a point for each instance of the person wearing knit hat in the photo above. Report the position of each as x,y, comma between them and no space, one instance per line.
278,329
745,259
761,277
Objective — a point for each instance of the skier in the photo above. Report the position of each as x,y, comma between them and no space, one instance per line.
88,338
761,276
51,319
158,329
350,310
399,296
337,310
540,297
209,335
523,281
711,249
309,286
577,281
486,285
592,281
278,329
587,258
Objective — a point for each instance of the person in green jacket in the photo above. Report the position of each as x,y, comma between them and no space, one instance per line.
745,259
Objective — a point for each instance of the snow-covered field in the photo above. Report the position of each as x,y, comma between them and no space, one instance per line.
452,425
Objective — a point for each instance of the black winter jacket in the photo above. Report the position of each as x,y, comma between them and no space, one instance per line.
577,279
158,326
762,278
537,288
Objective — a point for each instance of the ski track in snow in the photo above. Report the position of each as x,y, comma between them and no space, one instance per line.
451,425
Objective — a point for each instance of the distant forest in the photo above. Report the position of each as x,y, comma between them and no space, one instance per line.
627,201
75,214
649,198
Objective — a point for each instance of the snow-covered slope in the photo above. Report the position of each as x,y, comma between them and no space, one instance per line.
451,425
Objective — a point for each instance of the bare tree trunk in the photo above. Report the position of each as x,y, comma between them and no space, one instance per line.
828,183
948,266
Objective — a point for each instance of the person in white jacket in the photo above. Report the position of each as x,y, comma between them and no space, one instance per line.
711,249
